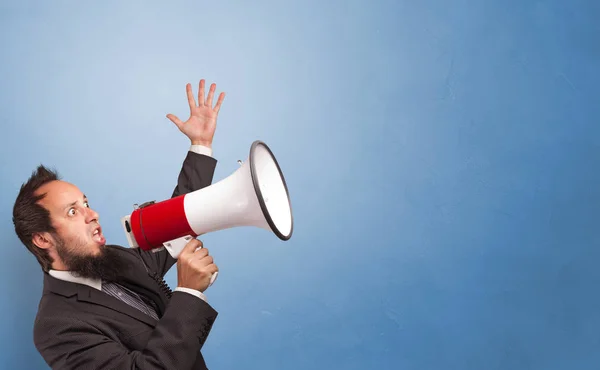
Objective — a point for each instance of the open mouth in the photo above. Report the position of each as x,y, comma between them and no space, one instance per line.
97,236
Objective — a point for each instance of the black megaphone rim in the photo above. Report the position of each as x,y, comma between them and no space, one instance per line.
259,194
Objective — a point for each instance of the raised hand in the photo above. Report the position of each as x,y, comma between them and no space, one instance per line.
200,127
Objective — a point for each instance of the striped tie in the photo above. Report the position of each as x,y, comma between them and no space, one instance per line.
130,297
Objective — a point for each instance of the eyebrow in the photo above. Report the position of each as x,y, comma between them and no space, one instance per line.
75,202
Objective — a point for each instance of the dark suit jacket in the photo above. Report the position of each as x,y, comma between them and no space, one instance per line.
79,327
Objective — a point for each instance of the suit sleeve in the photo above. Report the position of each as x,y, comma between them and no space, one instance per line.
173,344
196,173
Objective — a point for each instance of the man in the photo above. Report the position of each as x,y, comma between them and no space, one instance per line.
108,307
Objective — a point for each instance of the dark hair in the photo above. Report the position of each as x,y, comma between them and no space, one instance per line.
31,218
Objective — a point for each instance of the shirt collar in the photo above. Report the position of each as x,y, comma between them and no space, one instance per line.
69,276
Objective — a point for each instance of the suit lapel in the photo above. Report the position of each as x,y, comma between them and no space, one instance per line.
145,285
91,295
94,296
140,280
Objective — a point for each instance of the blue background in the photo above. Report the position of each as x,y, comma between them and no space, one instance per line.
442,159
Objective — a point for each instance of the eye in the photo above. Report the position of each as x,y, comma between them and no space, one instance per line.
71,212
86,204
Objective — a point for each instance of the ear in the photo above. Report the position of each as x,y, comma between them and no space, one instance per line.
42,240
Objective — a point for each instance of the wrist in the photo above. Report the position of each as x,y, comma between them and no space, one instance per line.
202,142
191,291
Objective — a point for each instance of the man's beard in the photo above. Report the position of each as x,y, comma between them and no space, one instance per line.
107,265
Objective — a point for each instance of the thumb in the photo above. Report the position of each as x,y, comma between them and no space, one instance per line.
175,120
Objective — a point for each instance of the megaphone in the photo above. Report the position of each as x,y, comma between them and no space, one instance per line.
256,195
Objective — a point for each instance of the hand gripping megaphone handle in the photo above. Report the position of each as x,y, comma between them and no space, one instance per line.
175,246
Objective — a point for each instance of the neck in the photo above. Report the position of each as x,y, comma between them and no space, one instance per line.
58,265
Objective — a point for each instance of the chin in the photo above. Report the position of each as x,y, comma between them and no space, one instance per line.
98,249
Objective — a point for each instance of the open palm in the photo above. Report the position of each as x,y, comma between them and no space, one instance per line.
202,123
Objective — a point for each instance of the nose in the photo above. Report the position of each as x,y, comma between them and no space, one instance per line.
91,215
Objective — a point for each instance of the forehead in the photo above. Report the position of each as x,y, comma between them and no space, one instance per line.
59,194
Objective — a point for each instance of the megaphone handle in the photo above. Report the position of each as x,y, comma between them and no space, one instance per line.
213,278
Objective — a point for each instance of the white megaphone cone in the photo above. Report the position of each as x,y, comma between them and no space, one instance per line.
256,195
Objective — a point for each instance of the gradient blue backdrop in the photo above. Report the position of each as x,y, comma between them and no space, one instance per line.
442,158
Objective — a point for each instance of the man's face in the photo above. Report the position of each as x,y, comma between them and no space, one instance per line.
75,222
78,242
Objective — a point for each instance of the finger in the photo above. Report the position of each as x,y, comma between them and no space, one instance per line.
191,246
190,96
218,106
212,268
200,253
175,120
206,260
211,93
201,93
